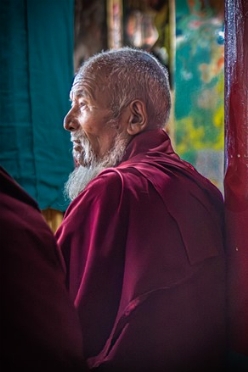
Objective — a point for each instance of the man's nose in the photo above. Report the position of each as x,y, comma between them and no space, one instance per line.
70,122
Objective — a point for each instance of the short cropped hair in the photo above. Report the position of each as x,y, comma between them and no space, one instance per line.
129,74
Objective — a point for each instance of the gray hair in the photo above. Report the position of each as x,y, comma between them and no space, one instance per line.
130,74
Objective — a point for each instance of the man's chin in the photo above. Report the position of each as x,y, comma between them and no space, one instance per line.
79,160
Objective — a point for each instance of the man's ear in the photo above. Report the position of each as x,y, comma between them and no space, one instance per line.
138,117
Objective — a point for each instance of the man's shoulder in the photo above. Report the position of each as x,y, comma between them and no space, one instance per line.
106,178
106,185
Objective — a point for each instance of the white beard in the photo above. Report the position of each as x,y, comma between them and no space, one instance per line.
82,175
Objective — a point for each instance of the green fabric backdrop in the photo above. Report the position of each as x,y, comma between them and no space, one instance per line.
36,62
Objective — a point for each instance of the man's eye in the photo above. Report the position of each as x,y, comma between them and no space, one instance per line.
82,105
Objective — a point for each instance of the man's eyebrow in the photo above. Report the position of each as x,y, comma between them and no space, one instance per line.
80,93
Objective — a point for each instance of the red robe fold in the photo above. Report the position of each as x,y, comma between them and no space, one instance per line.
143,245
39,326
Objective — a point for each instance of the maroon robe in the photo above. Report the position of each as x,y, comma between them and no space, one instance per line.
39,325
143,245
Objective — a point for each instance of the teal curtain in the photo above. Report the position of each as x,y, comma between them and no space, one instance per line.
36,61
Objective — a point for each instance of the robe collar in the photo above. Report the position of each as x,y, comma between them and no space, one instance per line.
156,142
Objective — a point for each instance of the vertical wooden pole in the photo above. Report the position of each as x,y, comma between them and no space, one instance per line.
115,23
236,168
172,22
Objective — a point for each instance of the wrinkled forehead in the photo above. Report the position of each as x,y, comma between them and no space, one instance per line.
81,88
89,79
91,83
83,85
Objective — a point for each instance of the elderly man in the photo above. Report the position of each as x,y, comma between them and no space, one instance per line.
142,239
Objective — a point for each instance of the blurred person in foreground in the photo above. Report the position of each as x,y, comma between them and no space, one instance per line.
143,237
39,326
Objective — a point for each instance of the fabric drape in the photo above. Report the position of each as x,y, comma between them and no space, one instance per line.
36,60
